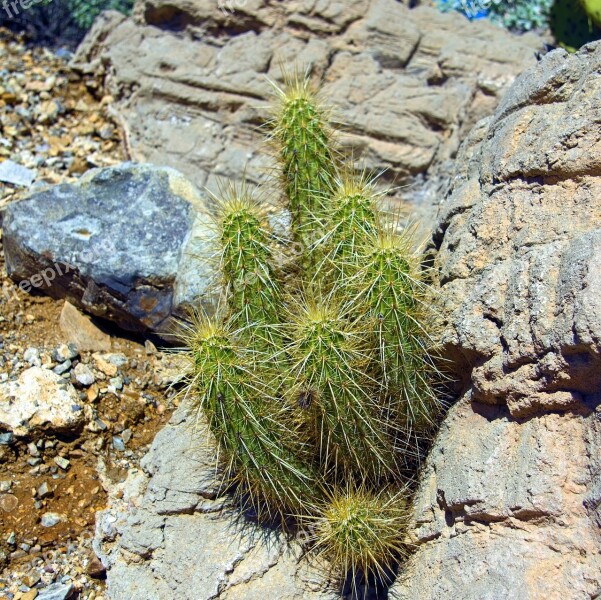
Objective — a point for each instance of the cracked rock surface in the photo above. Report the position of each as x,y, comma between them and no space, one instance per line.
509,506
191,80
168,534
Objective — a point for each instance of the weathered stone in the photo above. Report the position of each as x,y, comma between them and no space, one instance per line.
149,537
409,83
50,519
15,174
83,375
64,352
57,591
123,244
509,503
95,568
82,332
39,400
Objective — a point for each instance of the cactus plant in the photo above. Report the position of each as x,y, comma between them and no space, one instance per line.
246,248
390,283
361,531
571,25
329,357
352,217
314,388
261,453
305,148
593,10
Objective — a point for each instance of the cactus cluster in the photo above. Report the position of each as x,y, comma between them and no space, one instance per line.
317,380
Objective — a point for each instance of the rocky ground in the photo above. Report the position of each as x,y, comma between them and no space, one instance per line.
55,471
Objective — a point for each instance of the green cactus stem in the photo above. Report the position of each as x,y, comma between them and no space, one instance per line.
331,389
261,452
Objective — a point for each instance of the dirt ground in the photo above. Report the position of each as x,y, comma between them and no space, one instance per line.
58,124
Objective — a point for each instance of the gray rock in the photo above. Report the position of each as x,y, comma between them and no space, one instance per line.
32,356
62,462
15,174
7,438
62,367
123,244
44,491
50,519
116,359
83,375
118,444
33,449
65,352
509,505
57,591
115,383
149,536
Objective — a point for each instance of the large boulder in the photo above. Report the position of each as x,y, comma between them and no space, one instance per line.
509,504
191,80
128,244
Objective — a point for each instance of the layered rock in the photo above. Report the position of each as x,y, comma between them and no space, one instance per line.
168,534
191,80
509,505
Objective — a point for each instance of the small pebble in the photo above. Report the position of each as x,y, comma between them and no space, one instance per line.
62,367
118,444
32,356
65,352
33,449
44,490
7,438
95,568
83,375
63,463
116,383
50,519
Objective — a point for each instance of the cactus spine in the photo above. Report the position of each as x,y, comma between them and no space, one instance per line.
257,447
359,530
331,386
352,217
246,263
389,284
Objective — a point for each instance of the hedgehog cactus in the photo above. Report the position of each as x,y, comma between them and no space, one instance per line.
359,530
246,264
389,283
593,10
304,144
331,387
320,384
352,218
256,444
